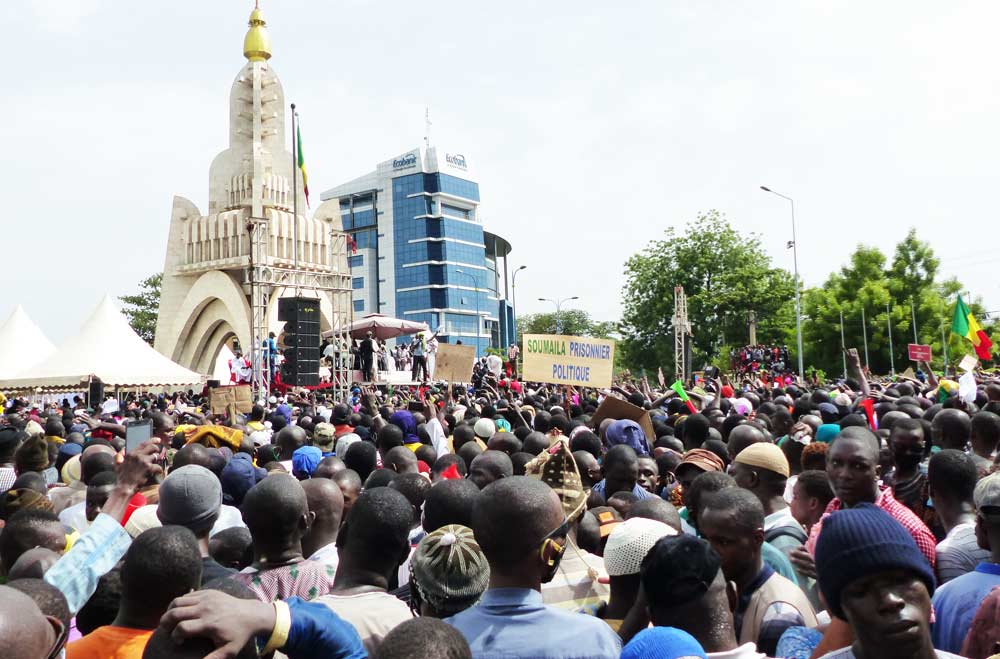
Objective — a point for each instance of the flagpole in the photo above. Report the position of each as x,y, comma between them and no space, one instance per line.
295,197
843,347
864,333
913,312
888,320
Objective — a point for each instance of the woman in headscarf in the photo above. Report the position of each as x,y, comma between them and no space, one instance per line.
404,420
629,433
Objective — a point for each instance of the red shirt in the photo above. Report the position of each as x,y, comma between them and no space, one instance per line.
921,534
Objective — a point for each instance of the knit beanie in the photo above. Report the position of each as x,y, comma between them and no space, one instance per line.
663,643
32,455
448,569
861,541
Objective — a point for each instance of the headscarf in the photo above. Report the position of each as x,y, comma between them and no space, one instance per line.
404,420
826,432
24,499
215,436
629,433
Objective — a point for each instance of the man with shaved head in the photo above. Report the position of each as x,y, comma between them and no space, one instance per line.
743,436
76,491
277,513
25,632
521,527
401,460
326,508
490,466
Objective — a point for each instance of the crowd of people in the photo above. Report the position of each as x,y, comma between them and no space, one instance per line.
851,519
756,359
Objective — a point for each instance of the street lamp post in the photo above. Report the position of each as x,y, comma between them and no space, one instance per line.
479,320
795,259
558,304
513,289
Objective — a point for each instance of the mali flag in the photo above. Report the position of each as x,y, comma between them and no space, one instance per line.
964,323
302,163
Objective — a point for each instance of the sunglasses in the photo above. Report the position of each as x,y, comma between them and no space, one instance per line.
561,531
62,633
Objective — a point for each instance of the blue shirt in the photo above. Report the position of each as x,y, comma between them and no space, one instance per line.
637,490
319,633
93,555
956,602
513,622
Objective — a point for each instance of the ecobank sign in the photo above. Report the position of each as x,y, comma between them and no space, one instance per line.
409,160
455,160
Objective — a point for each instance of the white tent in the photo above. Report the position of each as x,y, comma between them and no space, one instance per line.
22,344
107,349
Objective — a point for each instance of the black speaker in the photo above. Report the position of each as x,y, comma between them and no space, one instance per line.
95,394
301,340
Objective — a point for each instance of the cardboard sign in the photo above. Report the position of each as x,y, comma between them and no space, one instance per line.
239,396
968,363
616,408
919,353
568,360
454,363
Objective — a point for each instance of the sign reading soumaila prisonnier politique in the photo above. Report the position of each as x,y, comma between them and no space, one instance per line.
572,360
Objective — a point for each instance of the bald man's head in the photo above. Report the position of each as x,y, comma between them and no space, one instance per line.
25,632
511,518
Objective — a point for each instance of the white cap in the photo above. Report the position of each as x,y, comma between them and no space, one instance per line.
629,542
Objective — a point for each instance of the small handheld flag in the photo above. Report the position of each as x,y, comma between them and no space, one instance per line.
679,388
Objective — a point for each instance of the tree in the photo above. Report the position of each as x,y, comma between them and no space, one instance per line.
143,308
890,295
725,275
572,322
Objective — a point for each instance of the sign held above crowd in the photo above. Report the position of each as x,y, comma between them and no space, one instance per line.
919,353
568,360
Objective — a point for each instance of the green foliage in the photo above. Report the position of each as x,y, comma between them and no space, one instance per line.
725,275
572,322
143,308
885,290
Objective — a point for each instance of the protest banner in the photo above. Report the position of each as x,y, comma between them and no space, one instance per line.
616,408
968,363
919,353
569,360
454,363
239,397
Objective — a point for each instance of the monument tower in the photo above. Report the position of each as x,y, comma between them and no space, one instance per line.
225,270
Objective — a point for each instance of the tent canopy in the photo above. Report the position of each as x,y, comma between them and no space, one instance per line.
22,344
384,327
107,349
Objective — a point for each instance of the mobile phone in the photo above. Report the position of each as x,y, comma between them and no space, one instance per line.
137,432
416,406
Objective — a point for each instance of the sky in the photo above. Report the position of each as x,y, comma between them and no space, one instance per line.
593,126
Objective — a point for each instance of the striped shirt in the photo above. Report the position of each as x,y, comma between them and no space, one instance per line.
959,553
573,587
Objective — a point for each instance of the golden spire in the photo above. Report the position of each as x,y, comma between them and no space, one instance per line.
257,44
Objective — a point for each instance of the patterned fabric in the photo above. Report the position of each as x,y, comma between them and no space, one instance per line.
577,583
887,502
305,579
7,478
798,643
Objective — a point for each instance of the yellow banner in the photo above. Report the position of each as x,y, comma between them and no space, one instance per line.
570,360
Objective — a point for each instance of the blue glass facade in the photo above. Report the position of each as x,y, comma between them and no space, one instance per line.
413,231
430,251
